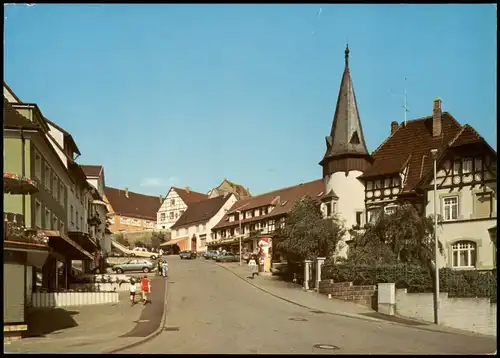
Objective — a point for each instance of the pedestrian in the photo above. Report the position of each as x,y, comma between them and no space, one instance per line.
252,264
132,289
159,266
146,288
164,268
161,252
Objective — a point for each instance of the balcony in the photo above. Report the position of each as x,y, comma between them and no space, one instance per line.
18,185
19,238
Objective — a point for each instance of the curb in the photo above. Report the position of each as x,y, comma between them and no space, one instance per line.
430,327
152,335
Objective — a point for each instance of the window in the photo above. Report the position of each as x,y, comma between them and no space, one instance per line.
377,184
328,209
38,214
456,167
263,211
483,205
466,165
450,208
46,180
181,212
271,225
82,224
72,215
396,181
172,202
47,223
62,193
61,227
55,223
55,186
478,165
256,212
387,183
203,240
171,215
38,165
359,215
231,231
369,185
464,254
248,214
77,224
162,217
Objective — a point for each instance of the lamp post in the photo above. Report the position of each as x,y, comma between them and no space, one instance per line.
436,246
239,219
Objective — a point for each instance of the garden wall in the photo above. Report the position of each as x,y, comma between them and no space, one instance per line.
362,294
65,299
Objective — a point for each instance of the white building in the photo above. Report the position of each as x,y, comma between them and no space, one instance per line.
175,204
194,227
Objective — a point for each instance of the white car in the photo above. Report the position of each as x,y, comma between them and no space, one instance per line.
143,252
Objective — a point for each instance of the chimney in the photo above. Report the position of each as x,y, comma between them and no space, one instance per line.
394,126
161,199
436,118
188,189
126,193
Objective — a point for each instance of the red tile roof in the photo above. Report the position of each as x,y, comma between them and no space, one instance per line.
283,201
189,196
135,206
92,170
201,211
410,145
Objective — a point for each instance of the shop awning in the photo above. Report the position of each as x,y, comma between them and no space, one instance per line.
182,242
65,246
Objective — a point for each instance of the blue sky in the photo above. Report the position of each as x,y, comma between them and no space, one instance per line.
191,94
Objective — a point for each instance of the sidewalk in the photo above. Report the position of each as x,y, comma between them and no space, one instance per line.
85,329
297,295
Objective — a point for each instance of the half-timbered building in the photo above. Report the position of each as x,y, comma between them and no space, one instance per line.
402,171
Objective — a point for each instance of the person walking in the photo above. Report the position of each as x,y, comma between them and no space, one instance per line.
164,268
146,288
252,264
132,289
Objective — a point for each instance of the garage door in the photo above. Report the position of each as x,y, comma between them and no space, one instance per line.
13,288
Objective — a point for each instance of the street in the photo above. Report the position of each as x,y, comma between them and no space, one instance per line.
210,310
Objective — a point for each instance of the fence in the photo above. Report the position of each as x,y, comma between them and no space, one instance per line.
65,299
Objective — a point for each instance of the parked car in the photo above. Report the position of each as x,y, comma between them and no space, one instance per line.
143,265
187,255
227,257
209,255
143,252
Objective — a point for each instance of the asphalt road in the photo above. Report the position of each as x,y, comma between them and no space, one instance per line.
210,310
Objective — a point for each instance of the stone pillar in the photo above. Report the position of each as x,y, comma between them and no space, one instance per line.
387,298
319,263
307,270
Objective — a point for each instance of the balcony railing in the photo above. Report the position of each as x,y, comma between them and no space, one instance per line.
15,231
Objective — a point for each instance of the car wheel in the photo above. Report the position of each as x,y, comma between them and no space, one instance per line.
153,257
119,270
145,270
132,254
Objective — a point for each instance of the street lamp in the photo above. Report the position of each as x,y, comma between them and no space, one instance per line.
436,246
239,219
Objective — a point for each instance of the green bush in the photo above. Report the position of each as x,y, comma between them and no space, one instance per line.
470,283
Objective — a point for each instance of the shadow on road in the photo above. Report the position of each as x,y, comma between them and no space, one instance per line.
394,319
42,321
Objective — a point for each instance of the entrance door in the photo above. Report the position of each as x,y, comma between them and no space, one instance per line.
193,244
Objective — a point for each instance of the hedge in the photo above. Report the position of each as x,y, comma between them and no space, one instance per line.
458,283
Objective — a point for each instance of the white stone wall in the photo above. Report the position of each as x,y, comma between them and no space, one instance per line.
65,299
471,314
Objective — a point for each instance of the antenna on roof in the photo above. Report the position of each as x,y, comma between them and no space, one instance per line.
405,105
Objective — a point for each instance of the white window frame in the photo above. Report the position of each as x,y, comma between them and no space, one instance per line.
61,227
162,217
467,163
470,248
47,173
456,166
444,205
171,216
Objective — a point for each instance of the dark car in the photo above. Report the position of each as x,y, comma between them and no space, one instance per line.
187,255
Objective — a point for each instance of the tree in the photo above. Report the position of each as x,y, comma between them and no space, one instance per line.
307,235
366,252
407,234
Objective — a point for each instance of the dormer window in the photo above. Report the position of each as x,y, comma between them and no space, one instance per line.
369,185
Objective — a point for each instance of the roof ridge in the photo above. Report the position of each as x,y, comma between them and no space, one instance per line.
285,188
130,192
190,191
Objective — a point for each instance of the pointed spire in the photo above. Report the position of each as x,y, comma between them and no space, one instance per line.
346,137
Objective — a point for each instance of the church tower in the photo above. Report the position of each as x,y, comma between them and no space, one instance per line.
346,157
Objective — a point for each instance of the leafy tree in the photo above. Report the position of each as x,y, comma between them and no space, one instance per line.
405,236
307,234
362,252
